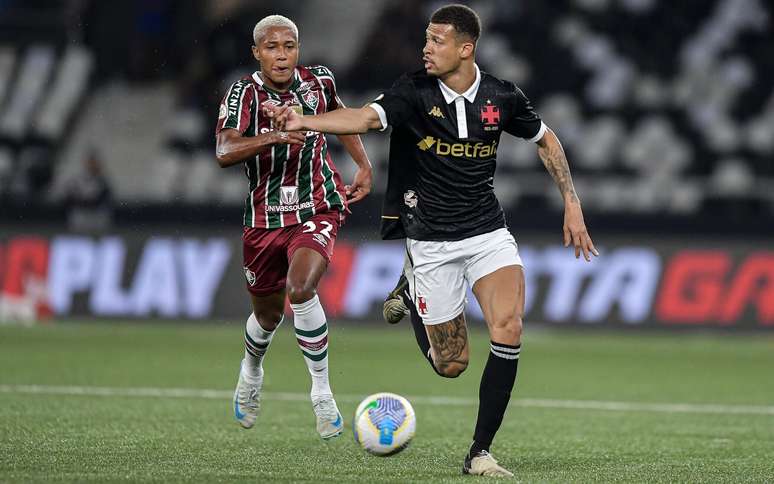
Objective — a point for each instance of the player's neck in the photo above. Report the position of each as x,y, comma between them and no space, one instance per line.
284,87
460,79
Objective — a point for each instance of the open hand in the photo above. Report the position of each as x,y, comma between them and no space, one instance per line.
575,231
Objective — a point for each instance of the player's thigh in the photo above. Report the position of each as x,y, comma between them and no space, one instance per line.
310,250
265,262
449,344
501,297
269,309
307,267
436,281
495,270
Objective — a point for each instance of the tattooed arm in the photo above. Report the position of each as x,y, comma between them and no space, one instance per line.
551,152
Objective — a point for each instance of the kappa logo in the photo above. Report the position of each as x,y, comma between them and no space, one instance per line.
223,111
436,111
421,305
410,198
250,276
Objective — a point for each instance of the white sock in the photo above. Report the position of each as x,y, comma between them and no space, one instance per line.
257,342
312,337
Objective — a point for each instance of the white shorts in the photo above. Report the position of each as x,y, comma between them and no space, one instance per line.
439,273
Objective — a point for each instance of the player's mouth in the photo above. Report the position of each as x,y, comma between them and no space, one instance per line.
280,70
428,63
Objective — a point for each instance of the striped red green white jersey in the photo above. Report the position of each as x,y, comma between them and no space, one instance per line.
288,183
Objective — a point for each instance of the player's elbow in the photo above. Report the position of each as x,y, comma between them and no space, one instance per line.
224,156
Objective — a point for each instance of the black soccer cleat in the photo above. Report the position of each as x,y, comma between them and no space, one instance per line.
394,308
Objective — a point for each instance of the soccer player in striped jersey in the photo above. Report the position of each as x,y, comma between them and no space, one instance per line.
296,204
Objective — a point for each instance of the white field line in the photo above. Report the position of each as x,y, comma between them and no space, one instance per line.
425,400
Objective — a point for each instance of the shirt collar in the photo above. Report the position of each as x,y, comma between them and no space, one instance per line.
450,95
296,79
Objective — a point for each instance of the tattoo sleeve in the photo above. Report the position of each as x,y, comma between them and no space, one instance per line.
449,340
555,161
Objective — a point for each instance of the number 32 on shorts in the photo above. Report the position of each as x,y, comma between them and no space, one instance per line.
310,226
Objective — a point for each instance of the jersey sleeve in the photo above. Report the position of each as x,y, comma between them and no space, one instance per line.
328,81
396,105
523,121
235,109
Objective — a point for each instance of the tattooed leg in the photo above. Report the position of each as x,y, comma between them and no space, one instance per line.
449,346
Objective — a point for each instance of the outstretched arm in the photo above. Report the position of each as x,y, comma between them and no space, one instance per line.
339,121
551,152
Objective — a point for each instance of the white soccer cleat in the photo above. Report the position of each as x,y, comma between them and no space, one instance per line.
329,421
483,464
247,399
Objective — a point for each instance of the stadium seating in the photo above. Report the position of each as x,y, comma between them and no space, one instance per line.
663,108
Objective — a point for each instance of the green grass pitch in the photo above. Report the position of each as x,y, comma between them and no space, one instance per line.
588,406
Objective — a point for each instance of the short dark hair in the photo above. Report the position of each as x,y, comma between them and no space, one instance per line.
463,18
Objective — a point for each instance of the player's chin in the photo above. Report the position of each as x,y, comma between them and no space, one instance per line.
281,77
431,70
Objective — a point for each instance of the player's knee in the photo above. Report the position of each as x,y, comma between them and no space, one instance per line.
451,369
507,329
269,320
300,292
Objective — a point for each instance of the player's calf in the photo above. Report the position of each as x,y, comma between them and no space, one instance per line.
449,346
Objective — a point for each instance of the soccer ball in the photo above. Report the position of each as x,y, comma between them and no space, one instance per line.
384,423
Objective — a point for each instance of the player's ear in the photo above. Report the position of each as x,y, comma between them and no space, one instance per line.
256,53
467,49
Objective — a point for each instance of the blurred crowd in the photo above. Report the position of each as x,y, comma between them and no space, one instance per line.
663,107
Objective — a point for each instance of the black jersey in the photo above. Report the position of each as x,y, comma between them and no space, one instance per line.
443,150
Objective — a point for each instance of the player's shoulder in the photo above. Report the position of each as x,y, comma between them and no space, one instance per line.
243,81
499,85
317,70
241,86
502,89
417,79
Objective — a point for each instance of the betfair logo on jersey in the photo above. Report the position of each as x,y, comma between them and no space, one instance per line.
468,150
436,111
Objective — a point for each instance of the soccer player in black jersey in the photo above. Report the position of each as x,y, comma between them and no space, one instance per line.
446,124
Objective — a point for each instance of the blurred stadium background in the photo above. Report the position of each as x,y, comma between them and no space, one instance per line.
113,209
109,190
